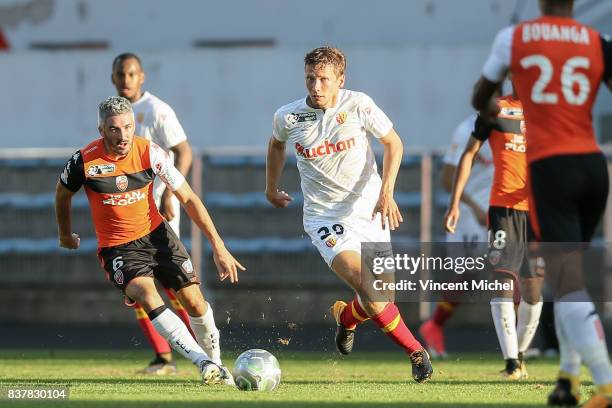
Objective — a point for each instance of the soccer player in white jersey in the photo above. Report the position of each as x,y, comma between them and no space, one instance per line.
345,200
470,230
156,121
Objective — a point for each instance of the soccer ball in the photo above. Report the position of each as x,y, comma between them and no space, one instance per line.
256,370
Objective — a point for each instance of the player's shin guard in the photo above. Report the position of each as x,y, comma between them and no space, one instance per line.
581,324
207,334
175,332
353,314
159,344
391,323
180,310
504,318
527,323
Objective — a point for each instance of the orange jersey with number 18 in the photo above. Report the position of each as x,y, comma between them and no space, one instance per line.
557,65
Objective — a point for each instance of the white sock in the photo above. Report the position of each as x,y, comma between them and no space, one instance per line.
584,332
504,318
569,358
207,334
172,328
528,318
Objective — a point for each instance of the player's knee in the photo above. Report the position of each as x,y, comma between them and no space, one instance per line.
347,265
142,290
196,308
193,301
149,300
531,289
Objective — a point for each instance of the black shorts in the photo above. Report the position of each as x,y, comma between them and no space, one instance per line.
568,196
509,235
159,254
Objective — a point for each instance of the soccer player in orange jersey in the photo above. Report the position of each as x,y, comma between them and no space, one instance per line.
135,244
156,121
509,229
557,65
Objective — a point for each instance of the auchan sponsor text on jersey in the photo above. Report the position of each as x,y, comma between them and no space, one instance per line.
324,149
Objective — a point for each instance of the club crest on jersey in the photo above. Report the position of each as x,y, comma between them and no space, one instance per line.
331,242
96,169
341,117
140,118
121,182
187,266
118,277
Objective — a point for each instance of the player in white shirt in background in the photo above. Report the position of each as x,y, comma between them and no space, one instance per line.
345,200
471,229
156,121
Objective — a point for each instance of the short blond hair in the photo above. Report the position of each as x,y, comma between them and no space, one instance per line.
327,56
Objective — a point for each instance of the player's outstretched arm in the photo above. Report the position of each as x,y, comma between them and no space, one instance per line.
447,176
63,205
462,174
275,161
227,265
392,158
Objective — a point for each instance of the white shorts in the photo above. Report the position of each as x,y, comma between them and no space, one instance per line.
331,236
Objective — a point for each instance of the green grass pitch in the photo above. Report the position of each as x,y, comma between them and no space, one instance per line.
107,379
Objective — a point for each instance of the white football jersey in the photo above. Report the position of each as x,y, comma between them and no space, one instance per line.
156,121
337,168
481,178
